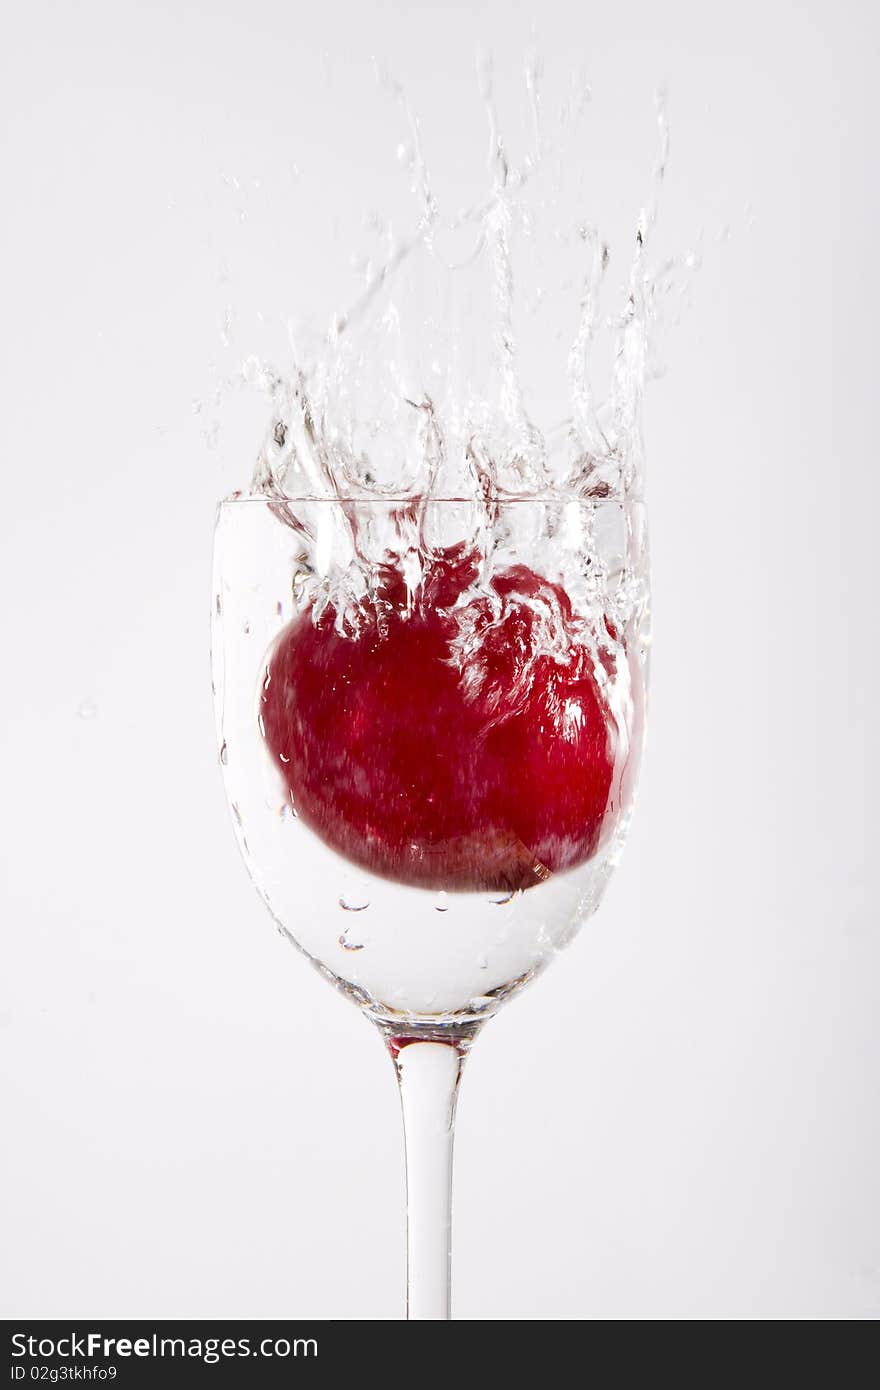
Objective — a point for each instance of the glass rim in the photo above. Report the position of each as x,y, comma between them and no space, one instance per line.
408,499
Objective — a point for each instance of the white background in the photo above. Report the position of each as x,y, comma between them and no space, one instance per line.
680,1120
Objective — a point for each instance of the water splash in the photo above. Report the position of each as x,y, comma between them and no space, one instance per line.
419,389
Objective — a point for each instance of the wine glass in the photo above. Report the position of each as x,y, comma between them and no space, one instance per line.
430,715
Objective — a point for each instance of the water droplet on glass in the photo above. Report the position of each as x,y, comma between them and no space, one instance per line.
353,903
224,753
483,963
247,628
350,945
87,709
442,903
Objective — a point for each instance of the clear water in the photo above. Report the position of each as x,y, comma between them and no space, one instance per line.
413,955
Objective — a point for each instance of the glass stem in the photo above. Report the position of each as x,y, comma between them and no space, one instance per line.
428,1073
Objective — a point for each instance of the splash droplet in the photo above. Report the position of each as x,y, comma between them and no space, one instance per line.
87,710
442,903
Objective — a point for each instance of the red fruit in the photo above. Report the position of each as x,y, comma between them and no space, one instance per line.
435,747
